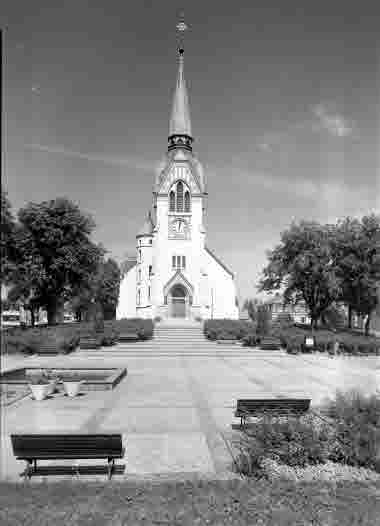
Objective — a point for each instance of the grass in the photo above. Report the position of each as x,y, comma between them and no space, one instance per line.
282,503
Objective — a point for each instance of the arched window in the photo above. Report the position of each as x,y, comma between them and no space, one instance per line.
172,201
187,201
179,197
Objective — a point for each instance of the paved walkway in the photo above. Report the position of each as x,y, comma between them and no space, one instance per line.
175,412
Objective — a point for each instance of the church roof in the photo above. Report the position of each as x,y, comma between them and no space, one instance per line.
220,262
147,228
180,123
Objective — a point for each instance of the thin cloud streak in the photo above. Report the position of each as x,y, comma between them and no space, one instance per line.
131,162
334,123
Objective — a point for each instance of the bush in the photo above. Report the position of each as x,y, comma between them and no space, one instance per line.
351,435
143,327
225,329
30,340
294,441
250,340
356,420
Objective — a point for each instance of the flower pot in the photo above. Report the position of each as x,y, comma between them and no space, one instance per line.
52,386
72,388
39,391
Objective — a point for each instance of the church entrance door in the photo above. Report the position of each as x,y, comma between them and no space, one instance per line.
178,301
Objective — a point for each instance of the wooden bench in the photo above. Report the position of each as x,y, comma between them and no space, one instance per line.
274,406
33,447
48,348
269,343
128,336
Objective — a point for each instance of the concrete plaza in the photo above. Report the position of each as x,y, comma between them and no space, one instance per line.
175,412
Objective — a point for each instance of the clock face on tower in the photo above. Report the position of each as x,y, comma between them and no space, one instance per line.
178,228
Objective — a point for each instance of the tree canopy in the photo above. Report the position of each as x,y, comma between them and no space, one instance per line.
323,265
303,265
54,254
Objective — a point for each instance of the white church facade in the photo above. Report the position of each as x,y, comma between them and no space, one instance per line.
175,274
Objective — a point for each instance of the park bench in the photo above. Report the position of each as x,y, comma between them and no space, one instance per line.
128,336
270,343
48,348
69,446
273,406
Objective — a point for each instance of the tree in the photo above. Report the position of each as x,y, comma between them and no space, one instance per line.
263,319
356,249
6,240
109,287
302,264
251,305
54,253
101,289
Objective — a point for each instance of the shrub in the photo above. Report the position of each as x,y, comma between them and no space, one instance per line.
356,419
143,327
351,435
225,329
294,441
38,377
30,340
250,340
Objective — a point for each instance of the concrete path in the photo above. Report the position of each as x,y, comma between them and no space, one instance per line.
175,413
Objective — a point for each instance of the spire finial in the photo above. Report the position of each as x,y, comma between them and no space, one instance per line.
180,125
181,28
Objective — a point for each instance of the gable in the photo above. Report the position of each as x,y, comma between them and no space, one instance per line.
178,171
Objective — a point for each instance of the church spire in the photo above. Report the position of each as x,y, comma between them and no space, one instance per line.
180,124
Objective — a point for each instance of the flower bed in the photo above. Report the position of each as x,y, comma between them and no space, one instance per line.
348,434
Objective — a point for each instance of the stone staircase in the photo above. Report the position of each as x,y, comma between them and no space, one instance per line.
176,338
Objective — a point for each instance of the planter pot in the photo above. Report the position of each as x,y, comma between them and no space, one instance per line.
72,388
39,391
52,386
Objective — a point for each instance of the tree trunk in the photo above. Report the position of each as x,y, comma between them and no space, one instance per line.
367,325
55,312
349,317
32,317
314,323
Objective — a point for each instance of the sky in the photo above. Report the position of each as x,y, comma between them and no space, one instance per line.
284,100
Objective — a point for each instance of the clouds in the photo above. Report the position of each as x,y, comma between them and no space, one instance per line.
130,162
334,123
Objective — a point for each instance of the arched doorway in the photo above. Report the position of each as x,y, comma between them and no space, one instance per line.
178,295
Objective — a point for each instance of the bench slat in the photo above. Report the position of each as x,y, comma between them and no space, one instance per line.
66,444
275,405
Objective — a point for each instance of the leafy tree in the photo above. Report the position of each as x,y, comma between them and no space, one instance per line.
263,320
109,287
54,253
6,240
302,264
101,289
356,250
251,305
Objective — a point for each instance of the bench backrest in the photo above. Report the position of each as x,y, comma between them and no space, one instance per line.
29,445
275,405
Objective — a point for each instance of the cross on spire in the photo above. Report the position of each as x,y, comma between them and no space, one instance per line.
180,123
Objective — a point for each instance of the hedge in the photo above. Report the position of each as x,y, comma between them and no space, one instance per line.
66,337
226,329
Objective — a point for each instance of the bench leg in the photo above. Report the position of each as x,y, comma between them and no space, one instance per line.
111,464
28,470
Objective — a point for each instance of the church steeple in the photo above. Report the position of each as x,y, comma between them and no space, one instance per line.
180,124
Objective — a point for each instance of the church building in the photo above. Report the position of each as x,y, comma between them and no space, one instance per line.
175,274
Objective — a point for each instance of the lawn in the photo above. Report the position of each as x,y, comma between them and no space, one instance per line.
235,502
